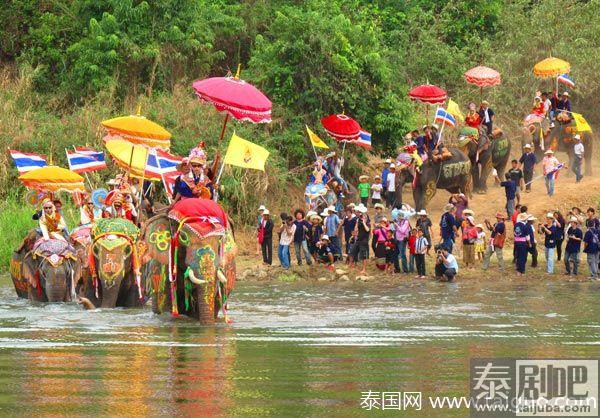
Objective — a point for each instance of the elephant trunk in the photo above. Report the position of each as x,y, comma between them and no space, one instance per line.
110,293
56,286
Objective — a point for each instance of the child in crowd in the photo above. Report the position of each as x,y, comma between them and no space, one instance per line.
480,242
421,248
412,240
376,190
364,189
391,253
351,244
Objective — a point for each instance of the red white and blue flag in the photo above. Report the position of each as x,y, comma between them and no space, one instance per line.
441,115
363,140
566,80
27,162
554,173
84,160
160,163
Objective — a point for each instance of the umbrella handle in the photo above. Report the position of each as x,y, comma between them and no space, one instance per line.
224,126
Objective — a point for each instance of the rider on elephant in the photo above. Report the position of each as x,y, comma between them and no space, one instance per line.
52,224
88,214
473,119
197,182
121,208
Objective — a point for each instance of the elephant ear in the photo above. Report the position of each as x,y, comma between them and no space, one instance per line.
156,238
29,269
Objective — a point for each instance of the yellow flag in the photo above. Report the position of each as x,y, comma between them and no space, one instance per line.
454,110
315,140
581,123
245,154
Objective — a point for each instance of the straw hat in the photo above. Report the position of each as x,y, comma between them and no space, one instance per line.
310,213
471,220
522,217
392,165
550,215
574,219
351,205
531,218
565,93
468,212
331,209
324,213
549,151
449,207
527,146
479,226
422,212
378,177
266,212
500,215
577,136
379,205
261,207
362,208
315,216
325,237
363,177
388,161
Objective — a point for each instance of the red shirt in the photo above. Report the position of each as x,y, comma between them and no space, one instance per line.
473,120
412,240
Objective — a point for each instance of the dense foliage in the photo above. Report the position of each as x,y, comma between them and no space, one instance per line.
70,63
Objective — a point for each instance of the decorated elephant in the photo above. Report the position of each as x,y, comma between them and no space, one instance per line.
558,137
485,154
453,173
47,273
113,276
190,259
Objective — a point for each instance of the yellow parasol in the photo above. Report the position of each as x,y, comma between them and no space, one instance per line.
551,67
130,157
53,179
139,130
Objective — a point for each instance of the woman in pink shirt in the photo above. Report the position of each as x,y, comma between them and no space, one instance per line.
550,163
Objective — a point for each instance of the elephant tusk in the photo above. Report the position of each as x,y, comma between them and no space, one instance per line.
192,277
221,276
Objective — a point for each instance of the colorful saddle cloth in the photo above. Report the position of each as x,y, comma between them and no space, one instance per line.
54,250
203,217
118,231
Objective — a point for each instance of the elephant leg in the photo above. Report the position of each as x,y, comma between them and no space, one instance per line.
475,176
205,311
485,172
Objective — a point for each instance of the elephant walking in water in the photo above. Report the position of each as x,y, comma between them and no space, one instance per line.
46,273
452,174
114,277
190,259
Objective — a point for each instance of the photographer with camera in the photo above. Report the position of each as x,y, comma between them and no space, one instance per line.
360,250
446,266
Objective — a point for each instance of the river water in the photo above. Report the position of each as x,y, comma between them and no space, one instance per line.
293,349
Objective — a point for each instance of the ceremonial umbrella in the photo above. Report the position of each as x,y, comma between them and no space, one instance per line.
130,157
53,179
235,97
139,130
429,95
482,76
341,127
551,67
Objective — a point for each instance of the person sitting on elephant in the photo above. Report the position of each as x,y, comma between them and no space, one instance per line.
417,160
472,119
564,103
120,208
319,174
487,116
433,139
538,107
52,224
88,214
197,183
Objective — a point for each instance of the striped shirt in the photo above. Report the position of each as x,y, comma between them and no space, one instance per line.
421,245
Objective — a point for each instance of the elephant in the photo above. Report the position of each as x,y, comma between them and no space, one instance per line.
113,276
559,137
190,259
496,155
46,273
452,174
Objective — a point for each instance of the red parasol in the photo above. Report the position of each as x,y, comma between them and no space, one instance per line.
236,98
429,95
341,127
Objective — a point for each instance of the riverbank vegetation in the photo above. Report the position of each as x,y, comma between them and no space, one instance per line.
68,65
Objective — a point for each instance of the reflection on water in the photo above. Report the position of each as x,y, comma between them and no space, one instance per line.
293,349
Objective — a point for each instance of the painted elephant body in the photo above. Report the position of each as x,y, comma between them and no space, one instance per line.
47,273
452,174
190,260
496,155
560,139
113,277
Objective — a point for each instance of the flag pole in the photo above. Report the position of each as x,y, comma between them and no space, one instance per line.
216,189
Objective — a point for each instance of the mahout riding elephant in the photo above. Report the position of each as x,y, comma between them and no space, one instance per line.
46,273
452,174
190,259
494,153
113,276
559,138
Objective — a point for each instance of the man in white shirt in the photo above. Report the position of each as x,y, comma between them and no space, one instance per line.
578,151
390,195
287,230
446,266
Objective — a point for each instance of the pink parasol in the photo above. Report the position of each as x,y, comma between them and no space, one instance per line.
428,94
482,76
532,118
341,127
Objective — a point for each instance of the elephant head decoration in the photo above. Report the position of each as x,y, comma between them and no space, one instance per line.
190,259
114,277
49,272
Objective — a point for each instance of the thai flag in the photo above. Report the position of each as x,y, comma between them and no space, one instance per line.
363,140
169,181
441,115
566,80
84,160
160,163
554,173
26,162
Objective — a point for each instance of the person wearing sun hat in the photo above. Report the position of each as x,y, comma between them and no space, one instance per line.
578,152
550,229
448,228
332,224
390,194
522,233
376,190
496,243
574,236
265,235
196,183
591,247
528,161
384,176
564,102
424,224
550,165
364,189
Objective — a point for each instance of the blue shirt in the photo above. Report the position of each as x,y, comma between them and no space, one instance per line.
420,141
499,229
550,239
510,189
447,225
573,246
349,225
528,160
332,222
592,247
299,233
384,175
432,142
523,230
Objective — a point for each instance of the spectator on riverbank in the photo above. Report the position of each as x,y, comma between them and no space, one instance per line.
376,191
424,223
497,239
401,227
286,231
384,176
522,235
421,248
528,162
561,224
574,237
448,229
446,266
300,243
364,188
550,230
591,247
510,189
267,237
